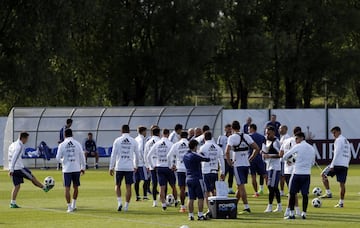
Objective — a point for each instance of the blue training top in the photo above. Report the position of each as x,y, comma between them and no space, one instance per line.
192,161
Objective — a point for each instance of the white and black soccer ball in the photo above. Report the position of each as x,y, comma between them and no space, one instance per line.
49,181
170,199
317,191
316,202
291,160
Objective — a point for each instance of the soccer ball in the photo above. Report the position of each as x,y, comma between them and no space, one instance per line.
170,199
49,182
291,160
317,191
316,202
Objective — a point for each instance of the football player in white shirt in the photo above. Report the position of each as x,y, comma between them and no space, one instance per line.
339,165
210,169
175,135
201,139
17,170
142,174
283,129
240,143
300,179
270,151
175,156
162,166
222,142
72,157
288,169
155,132
124,160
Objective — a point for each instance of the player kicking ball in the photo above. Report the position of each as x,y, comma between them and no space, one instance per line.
17,170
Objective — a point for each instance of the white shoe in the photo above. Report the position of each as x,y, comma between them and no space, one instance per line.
287,212
268,208
126,209
70,209
297,212
278,208
154,204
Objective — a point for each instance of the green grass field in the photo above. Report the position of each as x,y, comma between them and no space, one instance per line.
97,207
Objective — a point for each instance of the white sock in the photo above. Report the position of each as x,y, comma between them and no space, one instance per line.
303,213
13,201
191,215
126,204
164,205
341,201
261,187
297,209
328,191
73,205
69,205
279,205
281,192
183,207
200,214
291,213
246,206
119,201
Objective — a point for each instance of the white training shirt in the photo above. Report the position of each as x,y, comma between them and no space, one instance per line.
215,153
174,137
286,146
176,155
71,155
140,139
148,145
160,150
240,158
342,152
16,150
283,138
201,140
222,142
305,158
272,163
124,154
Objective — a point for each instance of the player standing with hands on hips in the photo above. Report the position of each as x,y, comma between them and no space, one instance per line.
72,157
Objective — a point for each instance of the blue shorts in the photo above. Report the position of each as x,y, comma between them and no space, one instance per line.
299,183
241,174
154,178
257,166
210,179
339,171
141,174
196,189
73,177
165,175
181,178
19,175
273,178
129,177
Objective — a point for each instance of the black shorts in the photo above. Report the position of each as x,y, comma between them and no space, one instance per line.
339,171
91,154
73,177
19,175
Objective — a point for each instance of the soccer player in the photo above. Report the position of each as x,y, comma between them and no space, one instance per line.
17,170
197,133
210,169
194,179
62,134
257,166
71,155
141,172
155,132
275,124
201,138
283,129
161,164
270,151
175,135
339,165
191,133
288,169
222,142
124,160
175,156
240,143
300,180
90,150
247,125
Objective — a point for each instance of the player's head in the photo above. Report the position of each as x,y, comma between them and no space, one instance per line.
68,133
299,137
125,129
198,132
191,132
142,130
235,125
205,128
336,131
178,128
207,135
283,129
248,120
273,118
193,145
228,129
24,137
270,132
166,132
296,130
90,135
252,128
69,123
155,131
184,135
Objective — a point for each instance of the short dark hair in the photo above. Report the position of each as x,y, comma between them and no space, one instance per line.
141,129
270,128
253,126
208,135
184,135
336,128
300,135
296,130
155,131
205,128
68,133
90,133
166,131
193,144
178,127
235,125
227,125
69,121
24,135
125,128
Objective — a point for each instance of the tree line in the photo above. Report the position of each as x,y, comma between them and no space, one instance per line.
163,52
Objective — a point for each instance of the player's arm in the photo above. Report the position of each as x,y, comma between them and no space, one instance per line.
112,159
171,157
59,153
14,158
292,151
227,155
222,164
256,150
201,157
150,155
82,160
136,155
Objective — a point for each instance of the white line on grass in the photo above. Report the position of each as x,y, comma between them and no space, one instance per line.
98,216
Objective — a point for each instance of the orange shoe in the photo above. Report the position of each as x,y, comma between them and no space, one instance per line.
182,210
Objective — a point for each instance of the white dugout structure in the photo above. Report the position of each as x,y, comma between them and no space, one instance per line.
44,124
